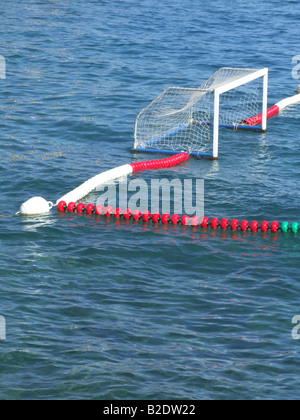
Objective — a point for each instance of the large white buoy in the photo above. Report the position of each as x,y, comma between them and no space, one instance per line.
35,206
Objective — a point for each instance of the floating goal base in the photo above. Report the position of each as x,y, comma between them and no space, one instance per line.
171,152
242,127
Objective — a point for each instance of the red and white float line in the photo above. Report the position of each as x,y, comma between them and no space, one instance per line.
119,172
38,205
274,110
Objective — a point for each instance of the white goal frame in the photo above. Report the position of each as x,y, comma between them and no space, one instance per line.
232,85
216,86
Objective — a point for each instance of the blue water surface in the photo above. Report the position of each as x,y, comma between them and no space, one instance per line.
100,310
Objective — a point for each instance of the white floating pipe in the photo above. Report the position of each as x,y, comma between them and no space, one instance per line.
95,182
275,109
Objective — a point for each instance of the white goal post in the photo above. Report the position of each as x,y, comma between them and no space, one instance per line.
189,119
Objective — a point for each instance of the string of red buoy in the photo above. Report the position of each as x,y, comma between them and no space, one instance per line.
185,220
159,163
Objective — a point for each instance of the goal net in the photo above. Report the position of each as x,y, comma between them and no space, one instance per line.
188,120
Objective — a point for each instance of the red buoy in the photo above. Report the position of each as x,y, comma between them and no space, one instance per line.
224,224
274,227
61,206
71,207
165,218
80,208
136,215
127,214
195,221
108,211
234,224
175,219
90,208
254,226
156,217
185,220
118,213
214,223
244,225
264,226
204,223
99,210
146,216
